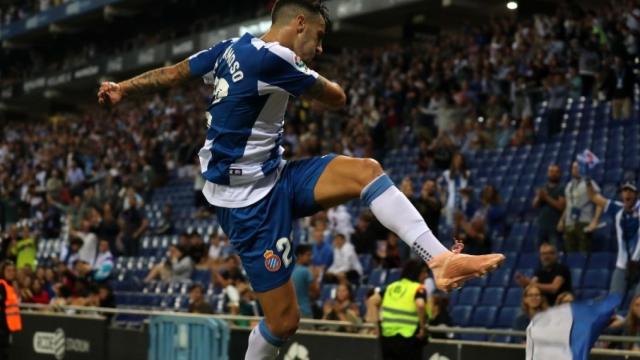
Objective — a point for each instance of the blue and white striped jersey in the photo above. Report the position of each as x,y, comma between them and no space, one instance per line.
252,82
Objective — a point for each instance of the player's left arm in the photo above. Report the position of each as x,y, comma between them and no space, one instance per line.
328,93
148,82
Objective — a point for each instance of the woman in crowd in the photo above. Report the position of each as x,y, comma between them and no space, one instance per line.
342,308
532,303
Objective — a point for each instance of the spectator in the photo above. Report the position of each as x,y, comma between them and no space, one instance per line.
618,86
557,97
73,254
372,315
439,315
88,250
365,236
133,225
550,202
429,205
165,225
342,308
491,211
177,267
388,252
106,297
340,221
632,323
473,234
10,321
626,215
230,294
103,265
322,253
552,278
588,68
455,179
198,251
106,226
578,219
24,250
38,294
197,303
305,281
345,262
532,303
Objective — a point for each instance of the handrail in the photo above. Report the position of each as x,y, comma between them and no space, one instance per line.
304,321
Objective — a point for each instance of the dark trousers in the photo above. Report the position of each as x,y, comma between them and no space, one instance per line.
401,348
5,341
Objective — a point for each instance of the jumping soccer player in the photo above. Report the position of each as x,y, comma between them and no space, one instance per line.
256,192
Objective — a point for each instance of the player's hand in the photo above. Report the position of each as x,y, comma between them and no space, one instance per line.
110,93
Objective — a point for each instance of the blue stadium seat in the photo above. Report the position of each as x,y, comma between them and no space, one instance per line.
514,297
576,277
460,315
589,294
377,277
201,276
500,277
479,281
484,316
507,316
601,260
528,261
365,261
492,296
327,292
596,279
361,293
576,260
469,295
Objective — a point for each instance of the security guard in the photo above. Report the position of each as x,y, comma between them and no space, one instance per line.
10,321
403,315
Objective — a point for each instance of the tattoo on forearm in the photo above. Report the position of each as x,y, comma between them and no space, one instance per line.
318,88
156,79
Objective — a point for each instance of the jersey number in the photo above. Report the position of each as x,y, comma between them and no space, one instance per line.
284,246
220,90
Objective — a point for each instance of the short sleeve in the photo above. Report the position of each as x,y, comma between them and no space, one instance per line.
282,69
204,61
612,207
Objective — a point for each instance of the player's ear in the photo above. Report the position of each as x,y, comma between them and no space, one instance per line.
300,23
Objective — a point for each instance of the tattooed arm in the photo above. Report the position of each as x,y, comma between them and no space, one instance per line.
328,93
148,82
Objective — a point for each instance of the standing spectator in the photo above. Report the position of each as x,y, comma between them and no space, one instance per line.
197,303
365,236
345,261
552,278
588,68
25,250
556,97
322,253
473,234
340,221
88,250
618,87
10,321
532,303
456,178
304,281
133,225
198,251
429,205
75,177
550,202
106,226
626,215
103,265
578,219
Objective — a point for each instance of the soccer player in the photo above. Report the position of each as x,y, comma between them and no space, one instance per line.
256,193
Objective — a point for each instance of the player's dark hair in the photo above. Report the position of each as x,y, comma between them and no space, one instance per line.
311,6
302,249
412,270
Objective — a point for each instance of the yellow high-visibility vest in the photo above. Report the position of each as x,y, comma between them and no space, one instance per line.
399,311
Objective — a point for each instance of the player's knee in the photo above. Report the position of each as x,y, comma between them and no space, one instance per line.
368,170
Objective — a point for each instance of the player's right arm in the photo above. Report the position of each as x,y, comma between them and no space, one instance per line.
148,82
328,93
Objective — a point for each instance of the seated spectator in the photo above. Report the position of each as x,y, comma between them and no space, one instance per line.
197,303
439,314
177,267
388,252
305,281
342,308
532,303
552,278
198,251
565,298
103,265
73,253
165,224
322,252
38,293
106,297
429,205
230,303
580,216
345,262
473,234
628,326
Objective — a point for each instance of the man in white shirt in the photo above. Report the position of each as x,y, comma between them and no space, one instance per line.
87,252
345,261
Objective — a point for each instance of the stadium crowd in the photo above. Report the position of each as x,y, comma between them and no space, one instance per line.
87,177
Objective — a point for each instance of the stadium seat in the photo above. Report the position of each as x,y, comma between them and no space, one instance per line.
507,316
460,315
201,276
377,277
492,296
601,260
469,295
392,275
528,261
576,277
596,279
500,277
576,260
484,316
327,292
513,297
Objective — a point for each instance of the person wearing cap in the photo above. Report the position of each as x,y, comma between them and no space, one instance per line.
627,223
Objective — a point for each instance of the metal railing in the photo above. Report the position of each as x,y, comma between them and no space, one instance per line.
304,321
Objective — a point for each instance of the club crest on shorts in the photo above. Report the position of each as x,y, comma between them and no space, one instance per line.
272,261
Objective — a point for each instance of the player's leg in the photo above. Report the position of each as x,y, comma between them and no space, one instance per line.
346,178
281,318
